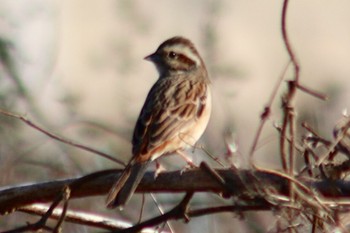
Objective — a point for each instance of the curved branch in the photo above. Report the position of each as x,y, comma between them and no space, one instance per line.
286,41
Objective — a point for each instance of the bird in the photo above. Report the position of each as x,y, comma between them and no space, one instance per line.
174,116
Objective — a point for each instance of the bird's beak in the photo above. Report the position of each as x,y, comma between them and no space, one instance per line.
152,57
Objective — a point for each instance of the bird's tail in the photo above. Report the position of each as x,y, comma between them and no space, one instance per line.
126,185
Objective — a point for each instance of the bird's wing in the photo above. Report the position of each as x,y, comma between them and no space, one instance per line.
170,108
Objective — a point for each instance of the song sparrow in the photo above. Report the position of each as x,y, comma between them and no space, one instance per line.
173,117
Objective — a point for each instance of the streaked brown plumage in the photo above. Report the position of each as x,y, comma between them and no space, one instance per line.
174,115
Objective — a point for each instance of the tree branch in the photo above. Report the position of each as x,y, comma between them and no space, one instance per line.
247,185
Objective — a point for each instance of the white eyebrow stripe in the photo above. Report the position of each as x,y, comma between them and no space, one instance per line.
185,50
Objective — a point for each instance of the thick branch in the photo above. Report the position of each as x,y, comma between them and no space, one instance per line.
244,182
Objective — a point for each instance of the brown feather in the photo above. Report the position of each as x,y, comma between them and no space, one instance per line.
168,116
126,185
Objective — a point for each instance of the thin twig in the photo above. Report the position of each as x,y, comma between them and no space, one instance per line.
41,224
340,136
78,217
314,93
161,211
60,139
65,196
179,211
287,43
265,115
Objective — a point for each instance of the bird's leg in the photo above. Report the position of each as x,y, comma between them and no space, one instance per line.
186,158
159,169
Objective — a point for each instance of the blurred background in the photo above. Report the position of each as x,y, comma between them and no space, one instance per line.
76,68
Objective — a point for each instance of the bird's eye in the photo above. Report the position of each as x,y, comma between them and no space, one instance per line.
172,55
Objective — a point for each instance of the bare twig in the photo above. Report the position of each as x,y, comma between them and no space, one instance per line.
60,139
340,136
287,43
41,224
314,93
265,115
65,197
77,217
179,211
161,211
